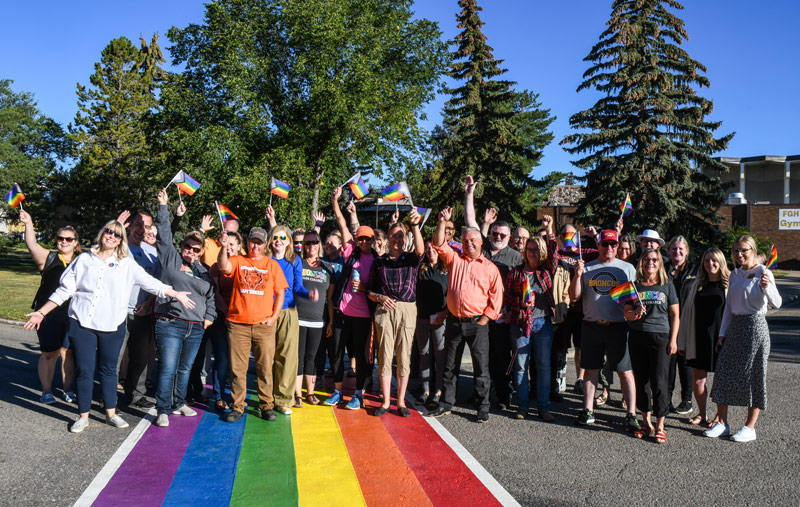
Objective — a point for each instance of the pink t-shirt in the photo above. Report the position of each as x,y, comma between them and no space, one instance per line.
354,304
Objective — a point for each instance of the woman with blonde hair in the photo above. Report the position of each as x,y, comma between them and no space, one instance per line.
287,331
652,339
700,322
52,334
99,284
741,371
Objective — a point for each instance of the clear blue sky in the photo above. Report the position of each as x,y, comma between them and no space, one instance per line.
750,50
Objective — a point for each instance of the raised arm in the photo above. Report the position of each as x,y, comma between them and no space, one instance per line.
38,252
489,217
419,243
224,264
352,219
575,287
438,235
270,216
318,218
469,202
337,214
176,221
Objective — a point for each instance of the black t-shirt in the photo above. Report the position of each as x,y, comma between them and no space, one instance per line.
314,278
656,299
53,268
431,292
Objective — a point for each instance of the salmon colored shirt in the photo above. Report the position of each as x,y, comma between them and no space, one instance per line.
474,287
256,283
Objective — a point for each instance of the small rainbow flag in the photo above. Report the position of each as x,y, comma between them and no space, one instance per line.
396,191
225,213
185,183
772,260
14,197
527,293
624,292
455,245
570,240
358,186
424,213
280,188
626,207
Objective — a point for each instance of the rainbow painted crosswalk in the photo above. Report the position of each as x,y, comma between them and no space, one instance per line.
317,456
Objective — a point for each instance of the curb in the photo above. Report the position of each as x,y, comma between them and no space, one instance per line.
12,322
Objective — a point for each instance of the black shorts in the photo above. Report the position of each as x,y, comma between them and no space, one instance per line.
52,331
572,327
605,343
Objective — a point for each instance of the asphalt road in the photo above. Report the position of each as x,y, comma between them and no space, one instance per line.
42,463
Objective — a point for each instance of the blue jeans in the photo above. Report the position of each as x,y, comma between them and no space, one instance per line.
218,336
542,338
176,347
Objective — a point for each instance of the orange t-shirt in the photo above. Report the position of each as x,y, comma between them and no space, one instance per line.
256,283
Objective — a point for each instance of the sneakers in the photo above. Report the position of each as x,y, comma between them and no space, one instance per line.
142,403
355,403
47,398
745,434
162,421
586,417
579,386
439,411
79,425
283,410
334,399
184,410
684,408
482,417
116,421
632,423
720,430
69,396
234,416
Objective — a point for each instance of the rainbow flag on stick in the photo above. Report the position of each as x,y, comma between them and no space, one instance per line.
570,240
279,188
225,213
625,292
626,207
396,191
185,183
772,260
424,213
357,186
527,293
14,197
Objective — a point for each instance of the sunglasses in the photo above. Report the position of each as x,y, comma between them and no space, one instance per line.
282,237
499,235
112,232
311,242
364,238
68,239
654,261
449,228
194,249
609,245
741,250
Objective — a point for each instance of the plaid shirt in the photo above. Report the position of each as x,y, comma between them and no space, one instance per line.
397,278
518,314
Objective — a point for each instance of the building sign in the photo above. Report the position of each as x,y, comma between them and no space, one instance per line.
789,219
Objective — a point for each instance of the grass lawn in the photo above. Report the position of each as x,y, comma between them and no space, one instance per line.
19,279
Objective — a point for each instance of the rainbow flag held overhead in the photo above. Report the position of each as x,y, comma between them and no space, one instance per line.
280,188
225,213
424,213
626,207
455,245
527,293
14,197
772,260
357,185
185,183
177,178
624,292
396,191
571,240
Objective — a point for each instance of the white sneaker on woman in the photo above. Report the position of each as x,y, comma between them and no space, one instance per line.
162,420
718,430
185,411
79,425
745,434
116,421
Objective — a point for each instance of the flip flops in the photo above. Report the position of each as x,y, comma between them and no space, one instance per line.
698,421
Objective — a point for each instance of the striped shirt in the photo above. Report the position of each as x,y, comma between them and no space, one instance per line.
397,278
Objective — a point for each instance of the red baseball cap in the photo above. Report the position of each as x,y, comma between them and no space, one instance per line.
608,235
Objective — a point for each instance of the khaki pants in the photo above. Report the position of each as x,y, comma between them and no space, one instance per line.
241,337
395,332
287,335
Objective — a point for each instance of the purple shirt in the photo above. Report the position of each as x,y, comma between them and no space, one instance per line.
397,278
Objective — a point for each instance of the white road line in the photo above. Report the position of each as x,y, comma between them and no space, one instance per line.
100,481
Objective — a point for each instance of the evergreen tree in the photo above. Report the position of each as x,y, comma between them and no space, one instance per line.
110,135
648,134
489,130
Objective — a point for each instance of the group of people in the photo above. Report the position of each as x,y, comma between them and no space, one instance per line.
516,300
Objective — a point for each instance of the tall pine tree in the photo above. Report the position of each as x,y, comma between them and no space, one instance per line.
648,134
489,130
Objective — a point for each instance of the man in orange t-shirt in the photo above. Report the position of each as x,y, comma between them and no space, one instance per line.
256,301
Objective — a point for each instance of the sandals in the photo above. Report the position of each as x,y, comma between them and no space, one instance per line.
661,437
601,400
312,399
643,432
298,402
221,406
698,420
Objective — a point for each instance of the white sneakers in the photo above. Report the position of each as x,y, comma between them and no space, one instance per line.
162,420
185,411
745,434
116,421
79,425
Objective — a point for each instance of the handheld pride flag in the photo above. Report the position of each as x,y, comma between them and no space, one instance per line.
15,197
527,293
279,188
626,207
357,186
772,260
177,178
569,240
424,213
396,191
189,185
225,213
624,292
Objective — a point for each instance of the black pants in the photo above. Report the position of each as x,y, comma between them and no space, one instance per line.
650,361
307,349
678,362
359,330
477,338
195,387
139,336
499,359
